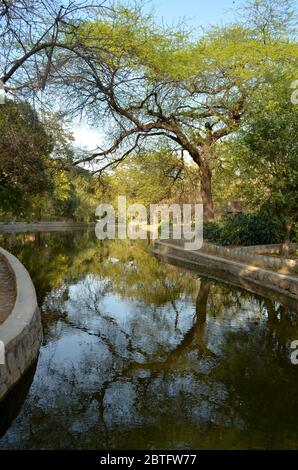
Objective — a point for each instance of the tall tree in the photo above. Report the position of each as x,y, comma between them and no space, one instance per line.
153,83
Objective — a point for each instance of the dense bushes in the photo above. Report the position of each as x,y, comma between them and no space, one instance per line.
244,229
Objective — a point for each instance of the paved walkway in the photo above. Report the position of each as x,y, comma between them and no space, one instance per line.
7,290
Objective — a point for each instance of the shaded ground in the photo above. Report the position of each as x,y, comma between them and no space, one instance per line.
7,290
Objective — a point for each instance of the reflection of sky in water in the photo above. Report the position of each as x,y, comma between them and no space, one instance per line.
130,323
120,371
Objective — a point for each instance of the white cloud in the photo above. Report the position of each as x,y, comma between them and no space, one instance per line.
88,138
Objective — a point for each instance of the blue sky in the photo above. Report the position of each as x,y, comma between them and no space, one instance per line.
197,12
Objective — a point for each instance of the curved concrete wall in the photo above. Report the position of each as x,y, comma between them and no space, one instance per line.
21,332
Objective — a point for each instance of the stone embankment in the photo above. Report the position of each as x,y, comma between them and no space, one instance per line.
212,259
7,289
58,226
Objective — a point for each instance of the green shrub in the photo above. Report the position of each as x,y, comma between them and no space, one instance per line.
212,231
294,236
244,229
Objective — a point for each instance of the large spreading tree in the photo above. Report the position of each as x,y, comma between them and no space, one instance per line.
146,82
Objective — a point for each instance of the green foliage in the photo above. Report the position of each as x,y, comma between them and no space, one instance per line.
154,177
245,230
212,232
268,22
267,152
11,197
259,167
37,179
24,148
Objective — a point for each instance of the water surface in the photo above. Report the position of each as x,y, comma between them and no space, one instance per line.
141,354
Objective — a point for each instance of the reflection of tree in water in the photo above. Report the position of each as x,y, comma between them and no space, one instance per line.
12,403
54,258
141,354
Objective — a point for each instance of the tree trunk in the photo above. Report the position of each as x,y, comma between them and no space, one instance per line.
202,156
206,192
285,246
201,316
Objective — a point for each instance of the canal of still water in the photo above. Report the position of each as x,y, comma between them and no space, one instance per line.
139,354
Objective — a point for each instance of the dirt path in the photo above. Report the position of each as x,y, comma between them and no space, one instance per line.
7,290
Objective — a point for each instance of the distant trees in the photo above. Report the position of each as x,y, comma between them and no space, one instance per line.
37,180
151,177
24,148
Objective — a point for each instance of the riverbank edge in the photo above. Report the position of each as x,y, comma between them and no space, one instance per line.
7,289
279,282
21,332
21,227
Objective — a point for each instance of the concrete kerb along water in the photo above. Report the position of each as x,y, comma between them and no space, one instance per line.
21,332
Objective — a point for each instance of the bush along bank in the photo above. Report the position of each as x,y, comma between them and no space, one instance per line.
247,230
